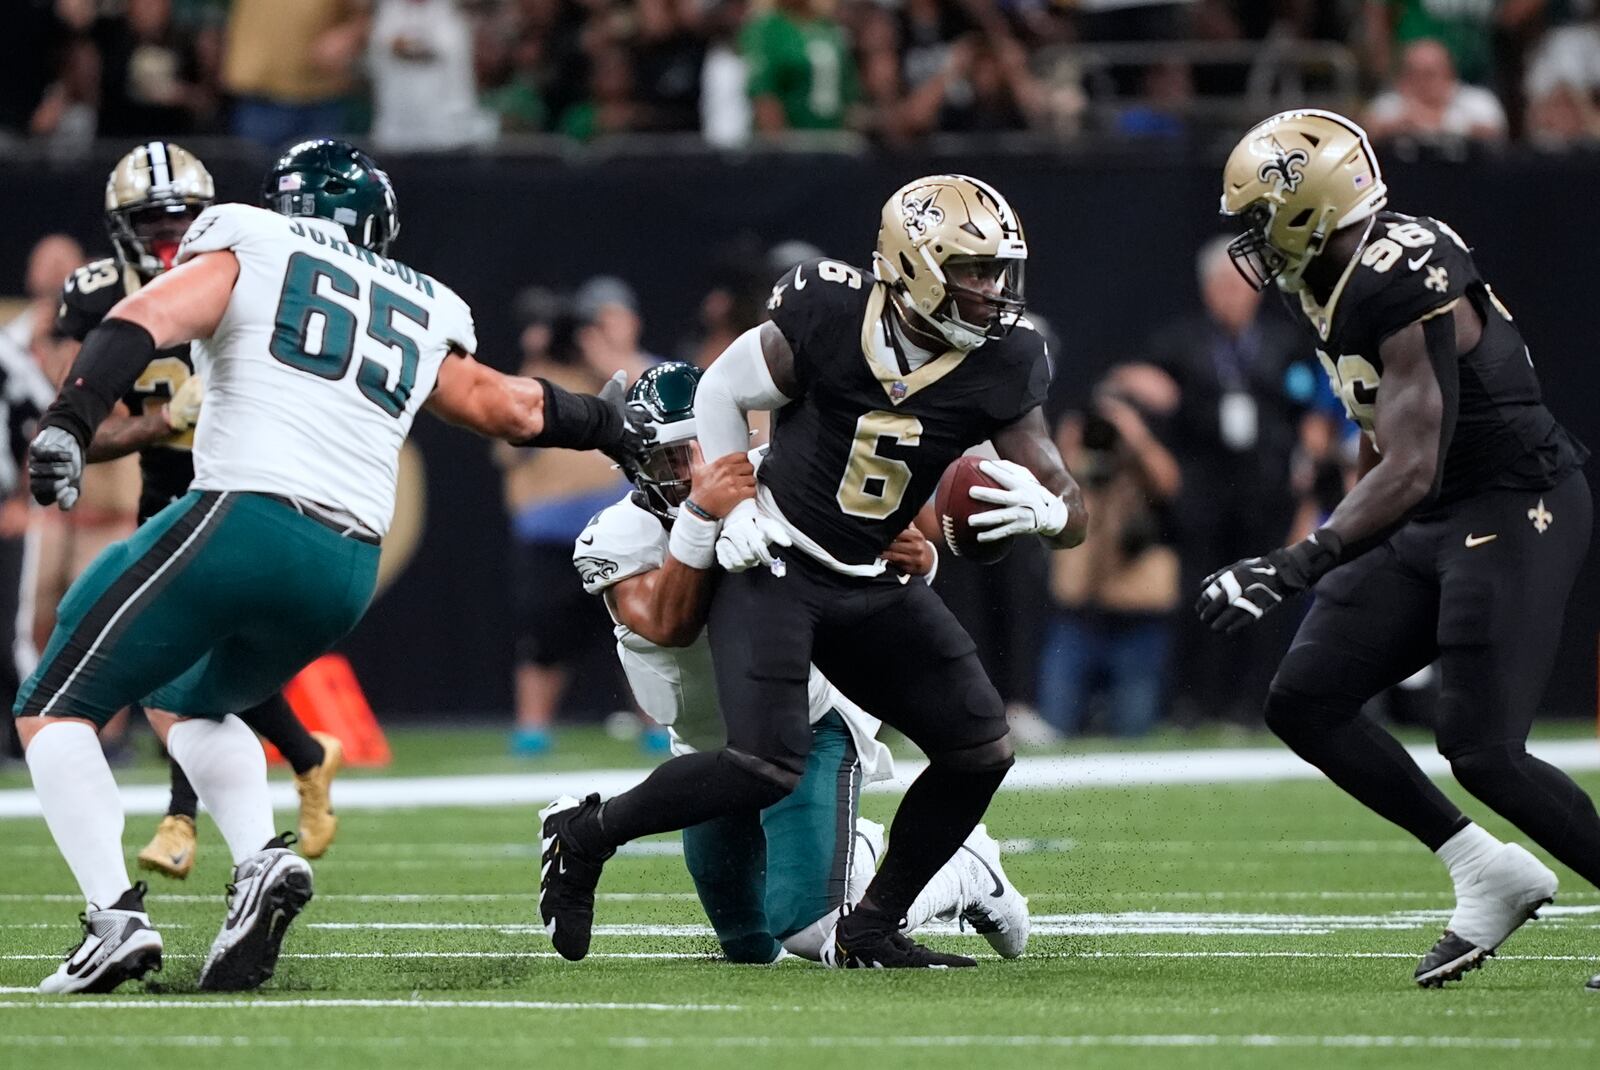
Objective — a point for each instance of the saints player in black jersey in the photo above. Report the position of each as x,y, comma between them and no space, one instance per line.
1459,543
878,381
152,196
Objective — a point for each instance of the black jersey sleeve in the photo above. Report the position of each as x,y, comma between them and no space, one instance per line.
1410,267
819,306
91,292
1019,368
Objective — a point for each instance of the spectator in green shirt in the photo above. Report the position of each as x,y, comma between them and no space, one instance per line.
1465,27
612,106
802,75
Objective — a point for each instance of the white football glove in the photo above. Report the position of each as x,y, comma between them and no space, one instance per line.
1030,509
183,411
747,538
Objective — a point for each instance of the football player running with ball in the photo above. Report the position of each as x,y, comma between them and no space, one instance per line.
878,383
777,879
1459,543
317,350
152,196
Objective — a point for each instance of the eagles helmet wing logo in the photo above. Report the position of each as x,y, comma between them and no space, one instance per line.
1286,168
920,214
595,569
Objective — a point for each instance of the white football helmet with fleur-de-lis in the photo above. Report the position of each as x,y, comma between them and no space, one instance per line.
952,252
1295,179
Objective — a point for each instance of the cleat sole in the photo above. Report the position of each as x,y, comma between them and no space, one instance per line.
251,962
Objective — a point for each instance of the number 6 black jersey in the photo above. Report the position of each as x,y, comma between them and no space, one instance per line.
861,450
1411,269
166,468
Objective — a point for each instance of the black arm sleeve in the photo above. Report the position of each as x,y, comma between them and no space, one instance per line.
577,421
113,357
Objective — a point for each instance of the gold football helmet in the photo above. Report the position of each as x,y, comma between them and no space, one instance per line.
952,252
1295,179
152,196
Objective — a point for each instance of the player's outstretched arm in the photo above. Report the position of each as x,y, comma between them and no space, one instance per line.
667,605
1027,442
536,412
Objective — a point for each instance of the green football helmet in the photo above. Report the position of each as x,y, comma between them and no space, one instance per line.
664,397
334,180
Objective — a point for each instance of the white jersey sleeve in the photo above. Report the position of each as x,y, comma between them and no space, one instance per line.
320,363
621,541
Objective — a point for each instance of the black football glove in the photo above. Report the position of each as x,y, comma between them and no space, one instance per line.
1248,590
637,430
55,467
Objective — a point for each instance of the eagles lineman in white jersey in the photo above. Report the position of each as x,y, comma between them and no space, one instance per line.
775,880
317,351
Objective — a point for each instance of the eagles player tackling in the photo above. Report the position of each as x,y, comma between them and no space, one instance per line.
877,383
1459,544
779,879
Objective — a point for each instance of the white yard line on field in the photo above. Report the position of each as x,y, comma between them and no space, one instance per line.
363,1004
1129,769
1156,1040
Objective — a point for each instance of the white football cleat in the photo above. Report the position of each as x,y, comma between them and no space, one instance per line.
1491,904
118,945
269,890
866,848
994,907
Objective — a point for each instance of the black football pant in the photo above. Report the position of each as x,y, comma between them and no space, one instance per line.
1480,586
892,647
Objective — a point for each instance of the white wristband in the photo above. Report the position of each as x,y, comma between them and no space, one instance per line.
934,571
694,540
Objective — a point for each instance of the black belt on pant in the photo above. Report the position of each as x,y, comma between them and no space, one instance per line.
333,523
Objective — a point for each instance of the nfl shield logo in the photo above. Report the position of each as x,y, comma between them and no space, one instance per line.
898,391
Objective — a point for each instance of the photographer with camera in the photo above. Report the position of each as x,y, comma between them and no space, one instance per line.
1110,623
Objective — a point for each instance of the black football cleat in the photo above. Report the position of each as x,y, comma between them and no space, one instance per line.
269,890
863,941
1449,960
567,878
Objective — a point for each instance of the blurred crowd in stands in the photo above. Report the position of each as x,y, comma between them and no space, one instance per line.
435,75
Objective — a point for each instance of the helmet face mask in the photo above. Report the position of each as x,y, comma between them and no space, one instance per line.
985,294
666,476
1253,254
152,196
952,251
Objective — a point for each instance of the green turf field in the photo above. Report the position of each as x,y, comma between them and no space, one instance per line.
1246,925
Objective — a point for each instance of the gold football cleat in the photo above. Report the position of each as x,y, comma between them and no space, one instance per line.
318,824
172,849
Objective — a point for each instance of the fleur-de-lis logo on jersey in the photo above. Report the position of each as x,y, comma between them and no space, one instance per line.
1438,279
920,214
1286,169
1542,518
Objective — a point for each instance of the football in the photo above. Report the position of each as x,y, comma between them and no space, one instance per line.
955,508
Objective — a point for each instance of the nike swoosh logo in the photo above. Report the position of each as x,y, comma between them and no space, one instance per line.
178,858
1479,540
999,887
587,540
799,280
1419,261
